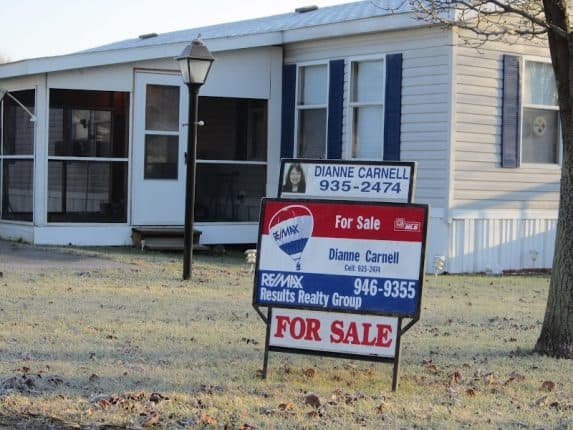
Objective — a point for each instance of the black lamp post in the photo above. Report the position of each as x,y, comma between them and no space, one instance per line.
195,62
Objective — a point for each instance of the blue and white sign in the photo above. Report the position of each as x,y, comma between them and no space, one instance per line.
350,180
341,256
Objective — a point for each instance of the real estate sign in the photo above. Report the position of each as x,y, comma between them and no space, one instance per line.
333,332
348,180
366,258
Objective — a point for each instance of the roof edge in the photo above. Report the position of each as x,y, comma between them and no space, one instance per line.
87,59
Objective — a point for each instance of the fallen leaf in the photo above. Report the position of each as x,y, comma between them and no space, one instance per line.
456,377
103,403
470,392
157,397
548,385
350,400
55,380
309,373
514,376
151,420
136,396
208,420
432,368
312,400
288,406
312,414
490,378
380,408
245,427
541,401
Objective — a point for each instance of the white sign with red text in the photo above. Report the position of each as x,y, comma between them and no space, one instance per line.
334,332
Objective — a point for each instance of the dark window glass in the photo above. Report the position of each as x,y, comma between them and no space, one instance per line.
312,133
87,191
162,108
235,129
88,123
17,186
229,192
18,130
161,156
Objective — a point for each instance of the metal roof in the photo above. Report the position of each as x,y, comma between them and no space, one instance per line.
331,21
269,24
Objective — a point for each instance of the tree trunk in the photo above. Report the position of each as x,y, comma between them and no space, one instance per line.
556,338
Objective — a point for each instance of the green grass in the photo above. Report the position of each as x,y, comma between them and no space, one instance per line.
88,349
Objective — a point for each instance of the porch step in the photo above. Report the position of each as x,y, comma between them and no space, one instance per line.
163,238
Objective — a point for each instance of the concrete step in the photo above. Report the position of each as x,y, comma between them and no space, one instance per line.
164,238
169,244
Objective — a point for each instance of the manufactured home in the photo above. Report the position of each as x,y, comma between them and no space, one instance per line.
93,143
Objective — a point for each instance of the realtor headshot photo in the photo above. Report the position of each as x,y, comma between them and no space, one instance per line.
294,180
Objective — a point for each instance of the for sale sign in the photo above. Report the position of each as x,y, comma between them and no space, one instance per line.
333,332
365,258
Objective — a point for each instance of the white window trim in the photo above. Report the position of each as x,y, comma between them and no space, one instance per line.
352,105
523,106
298,107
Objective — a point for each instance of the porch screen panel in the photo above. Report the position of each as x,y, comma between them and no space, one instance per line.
231,159
80,189
17,185
87,156
17,156
229,192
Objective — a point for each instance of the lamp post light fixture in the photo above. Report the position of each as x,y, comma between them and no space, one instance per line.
195,62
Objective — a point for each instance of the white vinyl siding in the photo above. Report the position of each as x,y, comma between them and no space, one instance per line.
479,180
426,87
500,242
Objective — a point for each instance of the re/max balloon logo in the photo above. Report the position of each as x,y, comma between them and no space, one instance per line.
285,232
291,228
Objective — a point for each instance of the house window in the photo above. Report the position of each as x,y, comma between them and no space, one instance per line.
367,106
540,137
161,132
88,156
17,156
312,102
231,159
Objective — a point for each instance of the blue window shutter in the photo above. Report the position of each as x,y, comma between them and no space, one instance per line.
510,112
335,109
288,105
393,107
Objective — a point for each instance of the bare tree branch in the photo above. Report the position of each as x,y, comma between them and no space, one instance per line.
491,19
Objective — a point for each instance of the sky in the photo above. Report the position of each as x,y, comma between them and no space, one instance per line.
43,28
